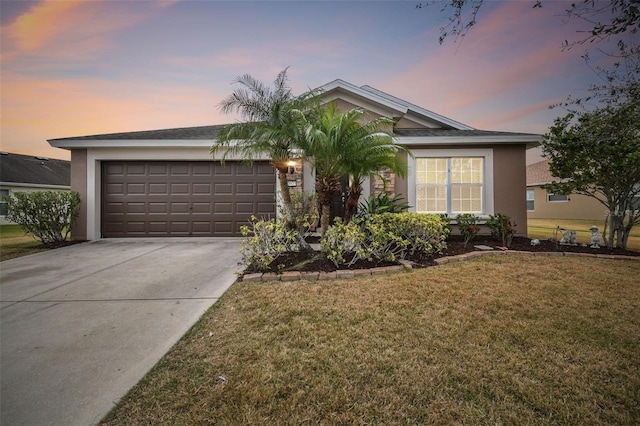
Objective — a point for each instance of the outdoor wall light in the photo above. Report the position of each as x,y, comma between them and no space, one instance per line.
292,167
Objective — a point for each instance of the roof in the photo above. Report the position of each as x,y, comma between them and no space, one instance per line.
400,106
538,173
181,133
447,131
35,171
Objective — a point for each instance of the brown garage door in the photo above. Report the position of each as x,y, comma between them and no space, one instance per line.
166,199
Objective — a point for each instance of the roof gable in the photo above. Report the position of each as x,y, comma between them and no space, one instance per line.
21,169
383,103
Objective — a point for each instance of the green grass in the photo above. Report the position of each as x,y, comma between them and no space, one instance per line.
15,243
544,228
496,340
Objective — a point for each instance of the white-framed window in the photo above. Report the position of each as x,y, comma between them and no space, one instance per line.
557,198
3,203
531,200
451,181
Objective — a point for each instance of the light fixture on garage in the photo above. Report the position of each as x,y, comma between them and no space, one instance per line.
292,167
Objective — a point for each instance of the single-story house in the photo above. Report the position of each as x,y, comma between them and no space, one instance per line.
21,173
542,204
165,183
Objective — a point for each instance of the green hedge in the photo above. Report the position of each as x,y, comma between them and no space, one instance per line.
47,215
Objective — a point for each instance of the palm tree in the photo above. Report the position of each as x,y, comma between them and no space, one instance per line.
370,150
337,143
273,121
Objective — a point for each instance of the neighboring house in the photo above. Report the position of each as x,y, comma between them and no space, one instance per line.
164,182
542,204
27,173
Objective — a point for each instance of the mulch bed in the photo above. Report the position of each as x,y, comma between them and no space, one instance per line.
316,262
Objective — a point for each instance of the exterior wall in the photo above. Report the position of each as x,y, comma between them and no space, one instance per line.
578,207
79,184
510,179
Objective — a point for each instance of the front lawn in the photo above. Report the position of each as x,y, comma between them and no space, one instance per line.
500,339
544,228
15,243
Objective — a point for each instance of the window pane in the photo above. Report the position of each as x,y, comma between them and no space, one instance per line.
530,199
431,199
466,199
557,197
466,170
431,171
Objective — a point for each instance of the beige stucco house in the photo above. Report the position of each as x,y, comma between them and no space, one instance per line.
165,183
541,204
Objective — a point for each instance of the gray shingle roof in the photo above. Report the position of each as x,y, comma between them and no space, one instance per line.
211,132
181,133
17,168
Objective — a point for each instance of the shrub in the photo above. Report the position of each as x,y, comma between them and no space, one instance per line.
385,237
502,229
303,217
266,241
342,242
468,225
381,203
47,215
446,220
405,235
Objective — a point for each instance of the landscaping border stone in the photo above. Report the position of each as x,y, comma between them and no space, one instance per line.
406,266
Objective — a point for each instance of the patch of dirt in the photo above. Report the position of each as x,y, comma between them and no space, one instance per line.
455,246
315,261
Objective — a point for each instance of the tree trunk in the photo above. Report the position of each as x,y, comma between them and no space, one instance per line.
351,205
325,188
285,193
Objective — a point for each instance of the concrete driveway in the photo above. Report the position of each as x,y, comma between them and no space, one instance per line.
80,325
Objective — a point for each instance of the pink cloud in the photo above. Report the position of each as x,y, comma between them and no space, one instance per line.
512,49
34,110
71,29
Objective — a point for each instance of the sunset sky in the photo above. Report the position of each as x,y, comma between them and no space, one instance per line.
73,68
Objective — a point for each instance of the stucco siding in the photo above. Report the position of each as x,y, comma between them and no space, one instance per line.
509,177
578,206
79,184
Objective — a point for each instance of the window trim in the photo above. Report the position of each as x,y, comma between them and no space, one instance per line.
485,153
549,194
2,201
533,199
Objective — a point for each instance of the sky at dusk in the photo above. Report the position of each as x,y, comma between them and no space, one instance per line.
74,68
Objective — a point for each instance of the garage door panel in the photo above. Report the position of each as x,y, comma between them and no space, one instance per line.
136,208
135,188
179,188
245,188
158,169
223,208
179,169
135,169
221,227
201,208
202,189
115,189
158,189
184,198
135,227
